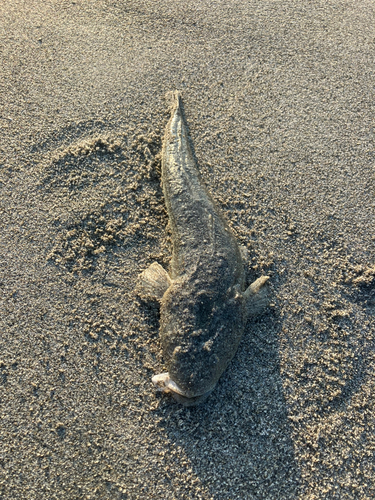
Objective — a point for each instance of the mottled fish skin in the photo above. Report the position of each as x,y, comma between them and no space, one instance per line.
198,229
203,308
202,315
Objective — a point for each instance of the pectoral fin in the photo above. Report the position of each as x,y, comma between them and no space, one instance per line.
153,282
257,296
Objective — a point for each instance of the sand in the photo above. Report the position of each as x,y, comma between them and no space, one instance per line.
279,97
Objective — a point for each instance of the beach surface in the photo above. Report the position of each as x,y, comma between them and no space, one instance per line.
279,98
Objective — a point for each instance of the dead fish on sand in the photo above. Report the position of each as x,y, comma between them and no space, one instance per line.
204,304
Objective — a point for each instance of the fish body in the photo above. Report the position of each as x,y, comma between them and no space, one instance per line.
204,306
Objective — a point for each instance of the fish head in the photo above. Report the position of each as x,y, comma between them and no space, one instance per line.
200,330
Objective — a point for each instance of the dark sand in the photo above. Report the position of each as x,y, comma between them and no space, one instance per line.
279,97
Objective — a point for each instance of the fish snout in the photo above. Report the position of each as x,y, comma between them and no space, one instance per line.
164,383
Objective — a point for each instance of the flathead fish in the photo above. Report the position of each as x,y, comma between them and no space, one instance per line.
204,304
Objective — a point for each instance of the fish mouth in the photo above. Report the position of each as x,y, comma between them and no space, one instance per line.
164,383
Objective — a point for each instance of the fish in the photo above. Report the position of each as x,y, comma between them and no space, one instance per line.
204,303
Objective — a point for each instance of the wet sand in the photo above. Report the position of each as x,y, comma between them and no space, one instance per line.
279,98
